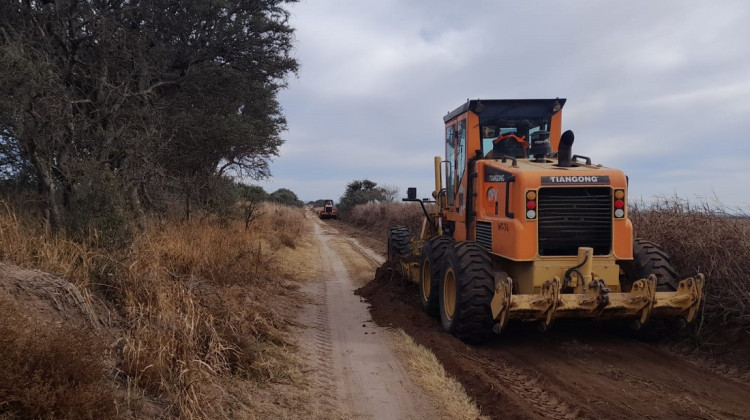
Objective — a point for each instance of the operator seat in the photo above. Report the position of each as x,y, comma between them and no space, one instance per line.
508,147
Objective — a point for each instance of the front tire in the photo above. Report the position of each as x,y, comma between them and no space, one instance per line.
399,241
649,258
430,270
466,291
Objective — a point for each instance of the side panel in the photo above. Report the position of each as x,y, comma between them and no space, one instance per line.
511,237
622,230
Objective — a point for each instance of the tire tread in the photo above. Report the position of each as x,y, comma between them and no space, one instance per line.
649,258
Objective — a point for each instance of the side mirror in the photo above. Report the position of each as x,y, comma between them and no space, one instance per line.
411,193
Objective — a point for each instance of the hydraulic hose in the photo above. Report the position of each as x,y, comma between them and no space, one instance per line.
566,280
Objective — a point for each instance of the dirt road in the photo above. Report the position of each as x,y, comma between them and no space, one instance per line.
351,358
579,370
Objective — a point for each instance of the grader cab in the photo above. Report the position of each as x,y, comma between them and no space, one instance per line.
523,229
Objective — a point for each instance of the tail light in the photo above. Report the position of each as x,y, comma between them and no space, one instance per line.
530,205
619,204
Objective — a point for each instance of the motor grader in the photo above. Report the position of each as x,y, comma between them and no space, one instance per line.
523,229
328,211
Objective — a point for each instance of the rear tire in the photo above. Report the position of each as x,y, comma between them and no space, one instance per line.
430,270
466,290
399,241
649,258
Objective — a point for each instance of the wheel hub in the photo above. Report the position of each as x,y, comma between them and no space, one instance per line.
449,293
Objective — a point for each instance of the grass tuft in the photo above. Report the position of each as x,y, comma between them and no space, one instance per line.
446,392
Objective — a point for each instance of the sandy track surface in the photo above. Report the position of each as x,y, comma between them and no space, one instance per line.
352,359
578,370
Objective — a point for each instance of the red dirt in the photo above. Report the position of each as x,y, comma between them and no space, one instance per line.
578,370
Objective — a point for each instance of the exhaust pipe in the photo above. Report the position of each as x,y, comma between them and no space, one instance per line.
565,150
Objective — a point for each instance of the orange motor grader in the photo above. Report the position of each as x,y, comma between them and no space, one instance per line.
328,211
523,229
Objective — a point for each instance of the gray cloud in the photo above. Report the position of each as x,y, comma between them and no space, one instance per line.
658,89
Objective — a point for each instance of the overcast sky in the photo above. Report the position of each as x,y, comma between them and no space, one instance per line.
659,89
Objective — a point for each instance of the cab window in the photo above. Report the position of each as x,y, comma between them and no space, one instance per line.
521,129
460,152
450,157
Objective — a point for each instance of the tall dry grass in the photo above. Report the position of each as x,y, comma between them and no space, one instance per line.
201,304
377,218
29,243
705,237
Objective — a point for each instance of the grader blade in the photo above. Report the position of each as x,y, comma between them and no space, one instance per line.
642,303
501,302
684,302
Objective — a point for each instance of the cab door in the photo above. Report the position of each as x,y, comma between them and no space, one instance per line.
455,178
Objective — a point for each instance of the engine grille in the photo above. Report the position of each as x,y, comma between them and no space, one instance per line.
484,234
574,217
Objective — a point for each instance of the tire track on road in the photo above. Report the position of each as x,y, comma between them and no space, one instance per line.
529,388
351,358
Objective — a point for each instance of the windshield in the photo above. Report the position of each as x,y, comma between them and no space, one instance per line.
515,130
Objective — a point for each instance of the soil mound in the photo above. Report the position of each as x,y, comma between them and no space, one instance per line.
56,361
49,298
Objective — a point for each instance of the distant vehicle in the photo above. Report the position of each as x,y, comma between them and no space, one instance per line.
329,211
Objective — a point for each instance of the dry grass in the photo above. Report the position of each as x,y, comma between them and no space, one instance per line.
51,371
378,217
28,243
205,308
447,393
705,237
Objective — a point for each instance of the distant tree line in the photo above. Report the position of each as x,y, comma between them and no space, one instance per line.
256,194
113,109
319,202
363,192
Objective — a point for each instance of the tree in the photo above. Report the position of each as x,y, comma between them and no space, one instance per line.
360,192
319,202
252,193
286,197
116,102
390,192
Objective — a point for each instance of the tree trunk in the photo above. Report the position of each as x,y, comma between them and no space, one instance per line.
187,204
49,188
135,201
